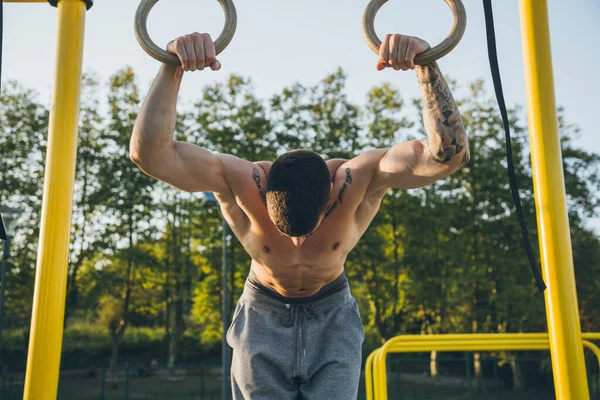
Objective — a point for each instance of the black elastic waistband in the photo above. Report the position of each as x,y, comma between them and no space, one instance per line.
331,288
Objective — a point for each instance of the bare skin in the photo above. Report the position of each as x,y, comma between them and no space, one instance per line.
301,266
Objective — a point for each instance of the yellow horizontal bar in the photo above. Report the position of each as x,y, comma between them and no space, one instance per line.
26,1
487,336
471,337
455,346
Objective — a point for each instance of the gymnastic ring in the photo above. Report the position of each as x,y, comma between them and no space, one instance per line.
141,31
435,53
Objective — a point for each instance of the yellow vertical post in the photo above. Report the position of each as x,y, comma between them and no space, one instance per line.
43,358
553,224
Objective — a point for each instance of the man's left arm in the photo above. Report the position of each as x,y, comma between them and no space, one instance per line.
419,163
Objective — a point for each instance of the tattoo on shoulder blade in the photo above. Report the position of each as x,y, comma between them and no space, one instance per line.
262,192
342,192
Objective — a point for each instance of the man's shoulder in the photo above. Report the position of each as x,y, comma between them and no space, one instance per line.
264,165
362,166
334,166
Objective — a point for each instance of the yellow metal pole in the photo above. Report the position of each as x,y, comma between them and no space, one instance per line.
369,375
553,225
43,358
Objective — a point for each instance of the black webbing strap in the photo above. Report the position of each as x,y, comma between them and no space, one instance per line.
2,230
3,235
1,37
493,56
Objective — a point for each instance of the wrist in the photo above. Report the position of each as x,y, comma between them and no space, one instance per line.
427,73
172,71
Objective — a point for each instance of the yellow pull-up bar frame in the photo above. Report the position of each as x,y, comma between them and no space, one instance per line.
375,366
45,342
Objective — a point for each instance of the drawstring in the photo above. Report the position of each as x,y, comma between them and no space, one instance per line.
290,319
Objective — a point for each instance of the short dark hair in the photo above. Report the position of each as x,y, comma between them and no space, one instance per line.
298,189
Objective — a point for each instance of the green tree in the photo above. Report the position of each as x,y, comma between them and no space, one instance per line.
87,226
229,119
125,197
23,131
319,118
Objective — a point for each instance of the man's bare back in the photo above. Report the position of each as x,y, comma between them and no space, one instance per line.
299,266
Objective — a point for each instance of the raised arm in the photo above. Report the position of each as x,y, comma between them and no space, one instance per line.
152,147
419,163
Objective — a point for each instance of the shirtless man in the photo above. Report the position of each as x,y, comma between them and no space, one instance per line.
296,331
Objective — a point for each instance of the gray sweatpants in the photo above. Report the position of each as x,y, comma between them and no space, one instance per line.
288,349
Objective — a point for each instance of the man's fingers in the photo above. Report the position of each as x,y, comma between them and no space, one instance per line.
404,47
200,52
201,49
395,43
411,53
399,52
384,51
190,47
210,53
216,65
181,52
196,52
410,57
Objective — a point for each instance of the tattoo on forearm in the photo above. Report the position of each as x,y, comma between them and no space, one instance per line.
342,192
445,131
262,192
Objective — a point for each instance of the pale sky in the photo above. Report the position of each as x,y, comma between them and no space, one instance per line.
279,42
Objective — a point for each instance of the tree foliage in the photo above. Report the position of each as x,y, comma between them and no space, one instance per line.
441,259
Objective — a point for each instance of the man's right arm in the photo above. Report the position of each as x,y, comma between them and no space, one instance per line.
152,147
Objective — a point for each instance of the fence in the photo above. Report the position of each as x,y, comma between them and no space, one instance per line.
200,382
408,379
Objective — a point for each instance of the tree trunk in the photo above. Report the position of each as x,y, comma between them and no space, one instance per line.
178,295
114,353
517,372
119,331
477,369
433,364
231,284
178,328
396,314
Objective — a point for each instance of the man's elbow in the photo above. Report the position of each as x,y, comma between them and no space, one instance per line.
140,156
465,157
135,155
139,152
462,153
